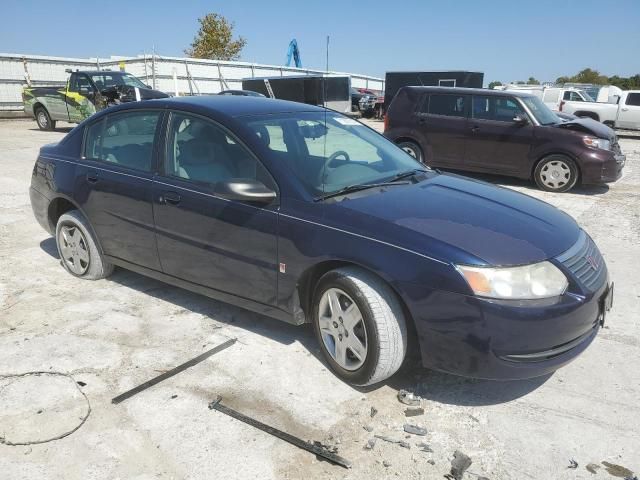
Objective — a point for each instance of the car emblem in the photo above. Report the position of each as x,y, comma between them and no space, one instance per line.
593,262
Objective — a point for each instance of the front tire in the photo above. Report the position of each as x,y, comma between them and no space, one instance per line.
43,119
413,149
556,173
78,249
360,325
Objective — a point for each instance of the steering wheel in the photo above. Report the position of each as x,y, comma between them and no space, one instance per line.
331,158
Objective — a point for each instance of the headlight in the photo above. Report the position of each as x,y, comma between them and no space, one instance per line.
540,280
594,142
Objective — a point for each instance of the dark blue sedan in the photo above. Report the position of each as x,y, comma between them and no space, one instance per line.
306,215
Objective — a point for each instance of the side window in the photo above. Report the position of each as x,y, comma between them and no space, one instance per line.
501,109
448,105
80,83
124,139
573,96
202,152
633,99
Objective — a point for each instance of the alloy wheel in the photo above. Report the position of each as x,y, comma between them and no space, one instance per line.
555,174
74,249
342,329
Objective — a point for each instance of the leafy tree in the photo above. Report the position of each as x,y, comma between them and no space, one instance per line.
495,83
533,81
214,39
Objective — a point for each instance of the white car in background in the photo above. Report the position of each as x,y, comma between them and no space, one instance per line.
624,114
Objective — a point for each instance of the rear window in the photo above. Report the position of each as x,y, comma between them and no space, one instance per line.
447,105
633,99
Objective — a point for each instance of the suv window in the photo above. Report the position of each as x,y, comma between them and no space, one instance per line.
448,105
501,109
124,139
633,99
200,151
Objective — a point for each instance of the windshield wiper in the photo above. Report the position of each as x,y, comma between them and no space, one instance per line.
357,188
408,173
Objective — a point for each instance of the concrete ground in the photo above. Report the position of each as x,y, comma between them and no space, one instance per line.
98,339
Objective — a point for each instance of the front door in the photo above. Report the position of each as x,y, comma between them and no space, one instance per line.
629,111
80,98
443,122
496,143
114,184
227,245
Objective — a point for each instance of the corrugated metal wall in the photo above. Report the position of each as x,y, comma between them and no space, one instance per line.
208,76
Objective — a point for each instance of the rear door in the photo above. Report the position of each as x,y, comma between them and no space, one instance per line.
443,122
629,111
496,143
114,184
227,245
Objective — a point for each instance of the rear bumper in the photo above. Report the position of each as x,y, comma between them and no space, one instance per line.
480,338
40,205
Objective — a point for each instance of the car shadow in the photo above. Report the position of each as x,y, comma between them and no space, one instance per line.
49,246
503,181
57,129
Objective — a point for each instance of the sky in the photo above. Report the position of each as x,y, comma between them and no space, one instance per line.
507,40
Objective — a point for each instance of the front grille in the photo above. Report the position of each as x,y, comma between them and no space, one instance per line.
585,262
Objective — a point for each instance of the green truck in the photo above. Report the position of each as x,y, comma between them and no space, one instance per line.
85,93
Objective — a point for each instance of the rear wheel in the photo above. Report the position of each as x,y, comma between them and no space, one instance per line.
43,119
412,149
556,173
78,249
360,326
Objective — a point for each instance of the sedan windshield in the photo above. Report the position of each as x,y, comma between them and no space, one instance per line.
111,79
543,114
329,152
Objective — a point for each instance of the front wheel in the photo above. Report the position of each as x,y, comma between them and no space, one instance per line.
43,119
360,326
412,149
556,173
78,249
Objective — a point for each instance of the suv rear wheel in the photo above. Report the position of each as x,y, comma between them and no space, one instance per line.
556,173
78,249
412,149
360,326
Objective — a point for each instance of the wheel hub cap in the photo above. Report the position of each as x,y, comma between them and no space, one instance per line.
342,329
73,249
555,174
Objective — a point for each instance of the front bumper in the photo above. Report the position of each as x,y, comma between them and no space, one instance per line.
602,166
504,340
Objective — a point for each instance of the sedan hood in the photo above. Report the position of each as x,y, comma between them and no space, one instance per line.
458,220
590,126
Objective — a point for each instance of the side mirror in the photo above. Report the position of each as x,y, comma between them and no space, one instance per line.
520,120
245,190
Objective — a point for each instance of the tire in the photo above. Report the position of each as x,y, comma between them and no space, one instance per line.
556,173
78,249
412,149
377,323
43,119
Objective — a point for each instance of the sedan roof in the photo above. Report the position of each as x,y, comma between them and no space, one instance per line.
473,91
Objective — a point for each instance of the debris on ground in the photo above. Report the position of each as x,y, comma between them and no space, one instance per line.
617,470
459,464
402,443
368,428
573,464
173,397
82,384
326,446
592,468
408,398
431,461
424,446
370,444
413,412
414,429
374,410
386,463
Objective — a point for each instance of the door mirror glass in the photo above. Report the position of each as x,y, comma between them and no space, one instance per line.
245,190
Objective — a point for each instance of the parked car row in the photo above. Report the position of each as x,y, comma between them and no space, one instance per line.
306,215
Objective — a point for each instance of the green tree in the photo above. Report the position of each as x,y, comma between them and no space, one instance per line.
495,83
533,81
214,39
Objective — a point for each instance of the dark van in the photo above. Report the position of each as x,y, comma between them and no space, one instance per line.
506,133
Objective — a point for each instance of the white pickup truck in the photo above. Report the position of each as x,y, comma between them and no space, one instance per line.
624,114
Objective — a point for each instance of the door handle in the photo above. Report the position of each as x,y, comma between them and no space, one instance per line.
624,109
92,177
422,121
475,128
170,197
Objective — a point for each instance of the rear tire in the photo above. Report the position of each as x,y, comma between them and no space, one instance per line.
556,173
360,325
78,249
43,119
412,149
